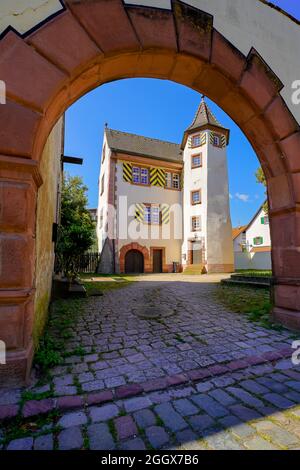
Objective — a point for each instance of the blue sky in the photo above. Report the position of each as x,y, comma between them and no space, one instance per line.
163,110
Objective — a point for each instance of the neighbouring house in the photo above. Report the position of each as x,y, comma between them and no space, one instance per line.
252,243
165,206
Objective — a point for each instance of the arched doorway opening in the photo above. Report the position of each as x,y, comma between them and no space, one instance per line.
134,262
191,52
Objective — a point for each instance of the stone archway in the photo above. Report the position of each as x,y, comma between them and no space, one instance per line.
134,247
51,66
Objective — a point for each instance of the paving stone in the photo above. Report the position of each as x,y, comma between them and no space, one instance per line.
204,386
294,385
273,385
144,418
257,443
10,396
245,397
139,357
223,441
36,407
64,403
125,427
91,358
277,434
93,386
72,419
65,390
8,411
70,439
133,444
209,405
157,436
244,413
186,436
100,438
44,442
63,380
99,365
25,443
253,386
185,407
170,417
103,413
201,422
222,397
279,401
237,427
114,382
137,403
85,377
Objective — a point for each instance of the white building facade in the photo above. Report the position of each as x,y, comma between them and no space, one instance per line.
252,243
164,207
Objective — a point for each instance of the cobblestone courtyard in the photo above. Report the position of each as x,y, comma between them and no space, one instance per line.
165,366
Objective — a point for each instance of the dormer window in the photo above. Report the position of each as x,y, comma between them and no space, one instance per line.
196,140
216,141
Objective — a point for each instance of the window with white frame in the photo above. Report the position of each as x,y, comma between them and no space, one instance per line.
152,214
196,223
172,180
195,197
196,140
197,160
216,140
175,181
140,175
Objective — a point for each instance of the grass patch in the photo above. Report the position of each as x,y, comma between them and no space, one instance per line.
254,272
98,287
63,314
254,303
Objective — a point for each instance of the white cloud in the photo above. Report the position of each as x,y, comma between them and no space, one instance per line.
230,196
242,197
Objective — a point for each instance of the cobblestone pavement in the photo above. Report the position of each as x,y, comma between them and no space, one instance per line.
241,406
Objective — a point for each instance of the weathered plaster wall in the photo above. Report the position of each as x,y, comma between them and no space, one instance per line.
46,215
23,15
251,23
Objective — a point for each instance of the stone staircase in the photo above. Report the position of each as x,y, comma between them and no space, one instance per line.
194,269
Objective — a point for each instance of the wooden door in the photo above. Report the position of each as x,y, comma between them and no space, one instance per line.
134,262
157,261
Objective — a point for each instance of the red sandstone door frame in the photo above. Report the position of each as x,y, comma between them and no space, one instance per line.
76,52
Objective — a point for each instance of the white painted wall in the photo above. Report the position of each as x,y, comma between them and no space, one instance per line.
194,179
252,260
103,198
257,229
212,180
152,195
251,23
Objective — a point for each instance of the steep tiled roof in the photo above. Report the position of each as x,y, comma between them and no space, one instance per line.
143,146
237,230
260,249
203,117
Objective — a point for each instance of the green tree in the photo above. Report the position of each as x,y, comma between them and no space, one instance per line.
260,178
76,231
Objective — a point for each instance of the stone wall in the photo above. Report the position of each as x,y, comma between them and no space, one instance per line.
47,214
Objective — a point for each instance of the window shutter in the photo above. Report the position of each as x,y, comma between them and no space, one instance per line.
157,177
165,214
211,138
262,220
139,212
181,179
223,141
127,172
202,139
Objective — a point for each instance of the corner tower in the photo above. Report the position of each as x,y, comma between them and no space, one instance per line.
207,233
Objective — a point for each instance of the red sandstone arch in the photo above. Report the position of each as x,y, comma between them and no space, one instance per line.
78,50
135,246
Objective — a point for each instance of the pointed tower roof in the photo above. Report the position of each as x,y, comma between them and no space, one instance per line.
203,116
204,119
